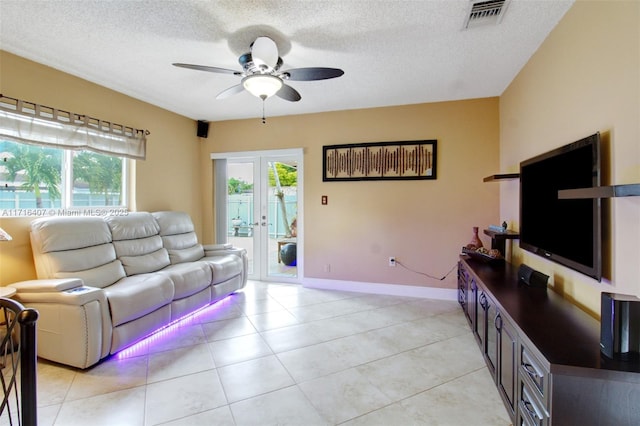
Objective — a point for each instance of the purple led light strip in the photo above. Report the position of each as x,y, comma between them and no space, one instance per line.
168,330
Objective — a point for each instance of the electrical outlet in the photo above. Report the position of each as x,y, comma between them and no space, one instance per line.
392,261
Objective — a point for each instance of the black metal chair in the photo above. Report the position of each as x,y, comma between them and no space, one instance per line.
18,363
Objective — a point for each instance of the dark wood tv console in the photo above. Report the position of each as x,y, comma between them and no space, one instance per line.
544,352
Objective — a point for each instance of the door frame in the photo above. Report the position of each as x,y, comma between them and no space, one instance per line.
260,155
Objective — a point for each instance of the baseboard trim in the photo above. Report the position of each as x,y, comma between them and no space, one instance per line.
378,288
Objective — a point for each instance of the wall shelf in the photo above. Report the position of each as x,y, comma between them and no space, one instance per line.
630,190
498,239
503,176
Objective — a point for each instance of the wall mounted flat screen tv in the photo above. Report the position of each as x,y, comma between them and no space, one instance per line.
566,231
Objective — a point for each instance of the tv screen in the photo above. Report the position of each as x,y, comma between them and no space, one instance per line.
566,231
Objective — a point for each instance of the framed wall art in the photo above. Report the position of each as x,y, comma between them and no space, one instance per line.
408,160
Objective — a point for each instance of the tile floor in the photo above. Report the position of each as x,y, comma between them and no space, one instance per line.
287,355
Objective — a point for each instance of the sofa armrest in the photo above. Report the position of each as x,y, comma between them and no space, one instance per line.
68,291
74,324
39,286
217,249
213,250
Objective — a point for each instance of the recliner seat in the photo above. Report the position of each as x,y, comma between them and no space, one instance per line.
104,284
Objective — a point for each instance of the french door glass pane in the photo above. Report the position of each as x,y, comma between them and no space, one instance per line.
282,213
262,213
240,204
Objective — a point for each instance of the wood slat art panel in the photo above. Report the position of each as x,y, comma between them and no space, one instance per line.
380,160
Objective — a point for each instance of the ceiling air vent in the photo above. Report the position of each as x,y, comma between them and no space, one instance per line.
489,12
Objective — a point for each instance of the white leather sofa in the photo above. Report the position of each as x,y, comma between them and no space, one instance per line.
105,283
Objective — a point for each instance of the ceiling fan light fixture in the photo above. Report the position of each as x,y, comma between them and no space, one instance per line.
262,85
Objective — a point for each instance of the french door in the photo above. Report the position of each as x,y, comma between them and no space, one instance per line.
261,211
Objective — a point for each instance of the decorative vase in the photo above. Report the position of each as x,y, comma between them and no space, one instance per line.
475,240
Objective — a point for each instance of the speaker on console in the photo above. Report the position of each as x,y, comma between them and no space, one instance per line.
620,326
531,277
203,129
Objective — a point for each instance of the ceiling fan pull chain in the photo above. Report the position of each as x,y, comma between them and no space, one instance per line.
264,120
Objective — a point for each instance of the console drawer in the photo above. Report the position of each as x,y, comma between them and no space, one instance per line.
531,370
530,410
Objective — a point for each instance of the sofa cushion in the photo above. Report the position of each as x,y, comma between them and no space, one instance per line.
135,296
180,241
183,247
179,237
138,247
99,276
190,254
67,233
172,223
81,259
137,243
145,263
188,278
224,267
133,226
80,247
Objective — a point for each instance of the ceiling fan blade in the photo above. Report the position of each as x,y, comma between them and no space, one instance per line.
288,93
207,68
230,91
265,51
310,74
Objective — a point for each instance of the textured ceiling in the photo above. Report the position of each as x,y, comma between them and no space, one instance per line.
393,52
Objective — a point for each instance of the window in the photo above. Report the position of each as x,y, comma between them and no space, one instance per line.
59,162
42,177
97,179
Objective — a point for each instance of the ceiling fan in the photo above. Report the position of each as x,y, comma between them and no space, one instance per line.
261,74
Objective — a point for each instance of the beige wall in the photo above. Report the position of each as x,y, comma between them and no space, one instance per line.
584,78
168,179
423,223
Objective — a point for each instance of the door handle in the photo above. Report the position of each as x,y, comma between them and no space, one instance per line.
498,322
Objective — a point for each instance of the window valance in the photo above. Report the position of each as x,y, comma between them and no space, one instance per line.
31,123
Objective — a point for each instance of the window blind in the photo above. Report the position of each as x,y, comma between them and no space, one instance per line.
31,123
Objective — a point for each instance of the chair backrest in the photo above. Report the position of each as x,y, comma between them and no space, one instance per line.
75,247
18,363
179,236
137,242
